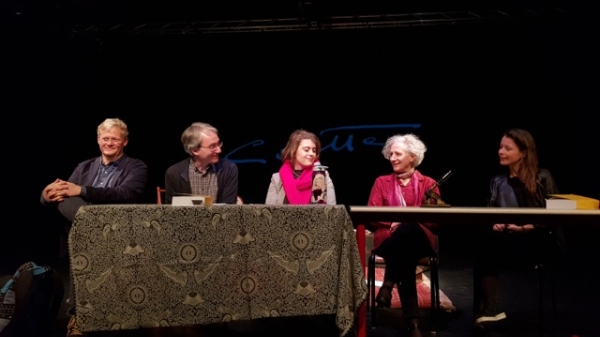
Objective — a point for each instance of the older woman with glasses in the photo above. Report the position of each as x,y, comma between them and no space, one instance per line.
203,172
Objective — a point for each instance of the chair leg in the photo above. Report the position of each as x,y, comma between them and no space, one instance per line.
540,285
435,293
553,299
368,279
434,285
371,289
545,272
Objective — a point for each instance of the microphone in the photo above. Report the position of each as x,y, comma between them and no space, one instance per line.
432,198
443,179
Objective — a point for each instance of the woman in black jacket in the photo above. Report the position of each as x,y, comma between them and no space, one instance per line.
523,184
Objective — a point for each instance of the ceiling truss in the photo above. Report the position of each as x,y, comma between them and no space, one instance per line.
317,24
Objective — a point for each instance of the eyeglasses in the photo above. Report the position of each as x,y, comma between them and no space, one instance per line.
213,147
107,140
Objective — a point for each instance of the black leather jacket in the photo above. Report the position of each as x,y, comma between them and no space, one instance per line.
511,192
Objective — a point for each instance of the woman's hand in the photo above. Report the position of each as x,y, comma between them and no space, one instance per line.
512,228
499,227
393,226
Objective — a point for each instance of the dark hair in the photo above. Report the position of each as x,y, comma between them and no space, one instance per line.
527,169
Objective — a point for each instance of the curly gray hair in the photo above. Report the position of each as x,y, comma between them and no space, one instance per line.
409,143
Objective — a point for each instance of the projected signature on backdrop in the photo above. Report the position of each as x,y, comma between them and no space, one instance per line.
336,139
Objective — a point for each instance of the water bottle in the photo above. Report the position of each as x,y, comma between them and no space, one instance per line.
319,184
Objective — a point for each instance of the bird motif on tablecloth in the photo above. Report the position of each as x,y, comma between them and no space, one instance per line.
291,266
175,275
93,284
315,264
202,275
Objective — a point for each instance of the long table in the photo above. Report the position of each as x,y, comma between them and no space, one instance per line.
474,215
362,215
138,266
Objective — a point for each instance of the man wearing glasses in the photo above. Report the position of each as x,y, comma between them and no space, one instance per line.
111,178
203,173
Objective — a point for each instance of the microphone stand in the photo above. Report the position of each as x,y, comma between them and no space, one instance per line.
432,199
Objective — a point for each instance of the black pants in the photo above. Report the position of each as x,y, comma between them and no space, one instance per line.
69,207
495,251
401,252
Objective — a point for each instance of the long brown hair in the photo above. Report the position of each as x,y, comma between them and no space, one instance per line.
289,152
527,168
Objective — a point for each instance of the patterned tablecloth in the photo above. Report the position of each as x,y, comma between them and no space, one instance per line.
140,266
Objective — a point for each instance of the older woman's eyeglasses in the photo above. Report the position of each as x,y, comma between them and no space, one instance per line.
213,147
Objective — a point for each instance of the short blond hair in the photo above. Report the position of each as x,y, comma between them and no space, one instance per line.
110,123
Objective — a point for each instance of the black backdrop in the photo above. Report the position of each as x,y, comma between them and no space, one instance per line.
458,87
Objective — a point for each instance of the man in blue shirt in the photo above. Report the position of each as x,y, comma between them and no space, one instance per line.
111,178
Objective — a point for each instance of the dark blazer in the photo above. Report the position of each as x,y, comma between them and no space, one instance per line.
177,181
129,187
130,181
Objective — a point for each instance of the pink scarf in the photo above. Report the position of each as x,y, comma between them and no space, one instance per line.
298,190
396,197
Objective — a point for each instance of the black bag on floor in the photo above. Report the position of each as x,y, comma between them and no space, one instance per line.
29,301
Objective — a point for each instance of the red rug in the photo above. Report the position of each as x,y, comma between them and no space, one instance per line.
423,292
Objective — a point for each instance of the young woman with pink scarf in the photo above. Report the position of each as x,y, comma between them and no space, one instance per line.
293,183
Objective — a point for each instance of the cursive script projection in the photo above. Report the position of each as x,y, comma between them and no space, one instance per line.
336,144
238,161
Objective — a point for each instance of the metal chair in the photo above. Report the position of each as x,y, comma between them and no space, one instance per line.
543,269
428,263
